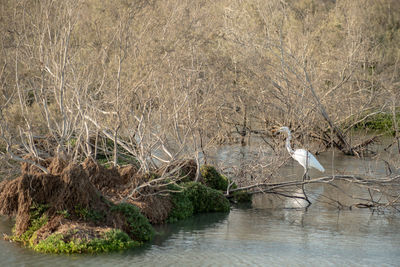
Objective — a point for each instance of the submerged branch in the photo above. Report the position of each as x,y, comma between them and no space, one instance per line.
282,188
325,179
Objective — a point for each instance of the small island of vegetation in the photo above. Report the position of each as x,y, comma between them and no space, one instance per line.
78,208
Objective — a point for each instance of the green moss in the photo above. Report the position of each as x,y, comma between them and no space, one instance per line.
205,199
182,206
212,178
88,214
139,226
37,210
64,213
113,240
242,197
193,198
36,221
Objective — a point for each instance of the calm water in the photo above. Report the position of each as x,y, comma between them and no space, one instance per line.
262,234
250,237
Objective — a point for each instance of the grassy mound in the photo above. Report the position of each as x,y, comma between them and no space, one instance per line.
195,198
111,240
182,206
212,178
137,225
205,199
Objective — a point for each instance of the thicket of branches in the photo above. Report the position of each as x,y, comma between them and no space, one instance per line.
160,81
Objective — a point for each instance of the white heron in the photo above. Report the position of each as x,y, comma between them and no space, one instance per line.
302,156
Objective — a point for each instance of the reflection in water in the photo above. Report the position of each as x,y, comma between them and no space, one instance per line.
272,232
198,223
296,201
251,237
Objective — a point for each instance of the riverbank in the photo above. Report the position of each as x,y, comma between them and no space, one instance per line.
80,208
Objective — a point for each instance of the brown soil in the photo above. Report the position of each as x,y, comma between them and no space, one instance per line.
156,209
72,230
105,180
54,224
65,188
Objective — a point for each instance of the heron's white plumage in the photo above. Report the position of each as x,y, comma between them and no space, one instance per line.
302,156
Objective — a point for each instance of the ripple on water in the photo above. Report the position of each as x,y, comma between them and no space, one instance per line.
251,237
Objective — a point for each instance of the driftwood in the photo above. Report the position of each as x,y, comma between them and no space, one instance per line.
325,179
282,188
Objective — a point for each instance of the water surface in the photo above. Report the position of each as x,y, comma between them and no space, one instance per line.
266,233
250,237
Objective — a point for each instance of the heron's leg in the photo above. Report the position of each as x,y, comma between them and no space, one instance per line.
303,188
305,196
305,175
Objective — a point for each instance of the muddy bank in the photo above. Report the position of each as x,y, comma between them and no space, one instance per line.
78,208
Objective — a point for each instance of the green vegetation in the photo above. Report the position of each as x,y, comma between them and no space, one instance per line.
139,226
72,142
205,199
64,213
196,198
182,205
88,214
36,221
104,162
242,197
212,178
122,160
382,122
112,240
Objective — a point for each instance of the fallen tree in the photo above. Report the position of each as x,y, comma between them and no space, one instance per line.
386,190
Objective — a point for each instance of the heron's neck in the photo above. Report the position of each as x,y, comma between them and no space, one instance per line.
288,146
